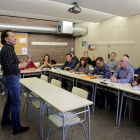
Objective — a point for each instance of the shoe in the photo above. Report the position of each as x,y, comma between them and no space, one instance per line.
20,130
3,93
6,123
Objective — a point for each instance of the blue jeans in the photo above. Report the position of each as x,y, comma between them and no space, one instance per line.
13,102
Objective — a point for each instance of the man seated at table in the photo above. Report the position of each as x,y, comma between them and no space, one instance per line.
68,65
74,58
93,64
113,63
88,59
123,74
100,71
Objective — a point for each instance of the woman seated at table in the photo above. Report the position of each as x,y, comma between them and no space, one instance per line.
45,63
30,65
82,68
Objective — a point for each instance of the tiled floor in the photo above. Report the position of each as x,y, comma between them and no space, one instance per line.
102,127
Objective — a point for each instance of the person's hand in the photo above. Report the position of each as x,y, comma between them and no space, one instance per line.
66,68
24,64
71,71
113,79
89,75
134,83
90,66
96,76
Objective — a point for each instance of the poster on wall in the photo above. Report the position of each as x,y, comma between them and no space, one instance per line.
24,50
92,47
84,43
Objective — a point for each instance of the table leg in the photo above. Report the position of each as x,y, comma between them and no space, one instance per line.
63,126
76,82
120,110
88,123
117,108
93,97
40,118
27,104
73,82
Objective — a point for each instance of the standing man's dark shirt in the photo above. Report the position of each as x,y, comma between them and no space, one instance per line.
76,59
9,60
93,63
89,61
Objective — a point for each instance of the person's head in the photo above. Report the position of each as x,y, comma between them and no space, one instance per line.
8,37
83,62
126,55
100,62
95,57
72,54
46,58
124,61
68,57
29,58
85,54
113,56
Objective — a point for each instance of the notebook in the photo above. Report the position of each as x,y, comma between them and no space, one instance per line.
87,77
136,88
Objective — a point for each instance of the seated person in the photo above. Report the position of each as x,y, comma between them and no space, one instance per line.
123,74
137,71
136,82
93,64
88,59
130,64
74,58
100,71
113,63
30,65
68,65
45,63
83,67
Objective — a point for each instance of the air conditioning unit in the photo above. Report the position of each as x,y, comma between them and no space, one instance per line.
64,27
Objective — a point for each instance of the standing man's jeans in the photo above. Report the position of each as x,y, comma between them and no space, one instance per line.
13,102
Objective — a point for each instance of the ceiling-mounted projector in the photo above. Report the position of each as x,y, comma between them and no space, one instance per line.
76,9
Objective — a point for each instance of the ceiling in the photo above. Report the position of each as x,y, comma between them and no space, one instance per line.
92,10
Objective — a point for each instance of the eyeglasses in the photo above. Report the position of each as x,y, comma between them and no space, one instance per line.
98,63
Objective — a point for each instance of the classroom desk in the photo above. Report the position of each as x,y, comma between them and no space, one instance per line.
35,72
58,98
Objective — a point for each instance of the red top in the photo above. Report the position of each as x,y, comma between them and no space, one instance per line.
30,65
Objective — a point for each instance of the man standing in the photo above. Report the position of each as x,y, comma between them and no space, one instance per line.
68,65
100,71
10,67
86,56
123,74
113,63
74,58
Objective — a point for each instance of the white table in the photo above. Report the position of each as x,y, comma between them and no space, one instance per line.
58,98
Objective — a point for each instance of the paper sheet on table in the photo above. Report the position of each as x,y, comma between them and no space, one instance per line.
112,83
71,73
45,68
136,88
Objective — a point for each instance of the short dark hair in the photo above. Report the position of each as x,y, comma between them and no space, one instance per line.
126,55
83,59
100,58
3,35
73,53
113,53
85,52
69,54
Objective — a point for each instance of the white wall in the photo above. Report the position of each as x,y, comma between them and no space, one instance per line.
114,29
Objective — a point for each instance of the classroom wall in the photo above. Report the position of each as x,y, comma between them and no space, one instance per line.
58,53
114,29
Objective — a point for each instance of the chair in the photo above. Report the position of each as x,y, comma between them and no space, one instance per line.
36,103
32,95
70,121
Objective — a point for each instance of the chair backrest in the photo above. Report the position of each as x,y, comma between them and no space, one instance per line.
44,77
80,92
56,82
